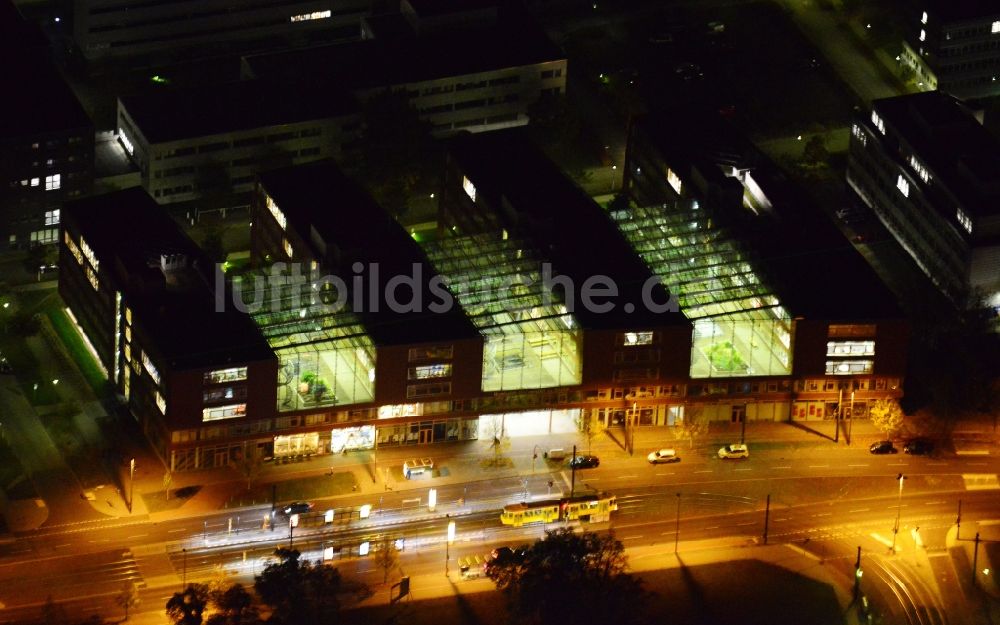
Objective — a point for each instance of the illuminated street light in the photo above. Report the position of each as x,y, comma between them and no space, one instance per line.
432,499
447,545
131,480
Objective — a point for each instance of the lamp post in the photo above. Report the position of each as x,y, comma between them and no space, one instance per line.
850,422
614,176
899,508
677,527
447,545
534,456
131,483
184,575
375,459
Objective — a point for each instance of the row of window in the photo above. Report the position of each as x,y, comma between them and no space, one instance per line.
239,143
52,182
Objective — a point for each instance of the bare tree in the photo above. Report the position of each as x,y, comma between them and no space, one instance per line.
249,466
168,480
692,426
585,425
128,597
386,557
499,441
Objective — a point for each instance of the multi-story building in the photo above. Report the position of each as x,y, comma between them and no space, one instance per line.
533,310
46,139
789,320
954,46
212,140
478,78
144,298
931,173
116,28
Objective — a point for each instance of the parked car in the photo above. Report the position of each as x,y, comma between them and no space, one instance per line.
736,450
883,447
584,462
919,447
663,456
298,507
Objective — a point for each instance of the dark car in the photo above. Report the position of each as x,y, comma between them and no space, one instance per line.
883,447
298,507
584,462
919,447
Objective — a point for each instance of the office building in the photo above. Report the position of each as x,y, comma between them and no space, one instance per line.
931,173
954,46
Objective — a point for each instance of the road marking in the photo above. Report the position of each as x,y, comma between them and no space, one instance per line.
823,514
782,467
858,465
747,523
858,510
662,474
667,533
819,466
897,464
974,452
741,469
66,545
901,505
703,471
714,527
627,477
976,464
933,503
136,536
779,520
176,530
632,537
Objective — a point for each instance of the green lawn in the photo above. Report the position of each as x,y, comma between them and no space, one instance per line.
74,344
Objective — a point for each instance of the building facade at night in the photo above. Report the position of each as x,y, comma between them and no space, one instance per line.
46,139
931,173
954,46
113,28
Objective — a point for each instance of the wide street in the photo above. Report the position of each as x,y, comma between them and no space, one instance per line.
825,499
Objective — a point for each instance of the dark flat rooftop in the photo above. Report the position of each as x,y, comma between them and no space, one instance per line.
962,9
567,227
960,153
37,99
128,232
796,248
378,63
175,114
319,196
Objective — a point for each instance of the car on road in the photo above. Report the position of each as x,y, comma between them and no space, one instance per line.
919,447
298,507
736,450
883,447
584,462
663,456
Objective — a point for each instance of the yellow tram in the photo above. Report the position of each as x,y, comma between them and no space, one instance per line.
586,508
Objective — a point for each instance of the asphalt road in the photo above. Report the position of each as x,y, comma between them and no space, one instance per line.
829,500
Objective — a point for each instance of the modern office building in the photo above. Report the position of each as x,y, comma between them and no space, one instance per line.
144,298
789,320
46,139
954,46
189,143
931,173
117,28
481,77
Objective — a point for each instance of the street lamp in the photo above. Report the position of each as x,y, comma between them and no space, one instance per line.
131,483
850,422
677,527
534,456
899,508
447,545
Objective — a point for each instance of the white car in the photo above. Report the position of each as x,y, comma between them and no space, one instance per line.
663,456
734,451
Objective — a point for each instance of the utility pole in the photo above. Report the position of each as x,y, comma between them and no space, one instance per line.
857,572
975,560
850,423
743,426
899,508
836,417
958,522
767,516
184,575
572,472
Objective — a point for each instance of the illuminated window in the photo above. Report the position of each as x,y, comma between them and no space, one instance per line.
923,18
44,237
923,35
52,217
903,185
225,375
217,413
638,338
315,15
150,369
878,122
850,348
125,142
470,189
426,390
859,134
920,169
674,180
430,371
288,247
34,182
964,220
848,367
427,353
996,27
160,402
278,215
53,182
92,278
